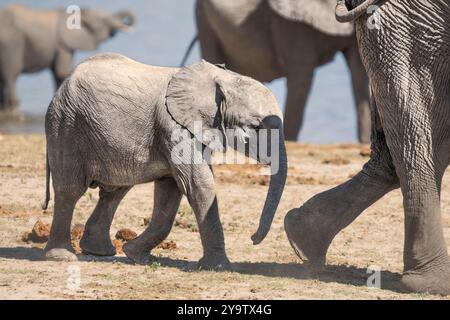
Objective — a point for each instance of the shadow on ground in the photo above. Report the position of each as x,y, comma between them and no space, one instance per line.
342,274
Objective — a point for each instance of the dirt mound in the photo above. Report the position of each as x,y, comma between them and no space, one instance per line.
122,236
75,235
167,245
39,233
77,231
125,235
118,244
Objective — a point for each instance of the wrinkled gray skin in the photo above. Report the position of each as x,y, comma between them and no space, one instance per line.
252,39
110,125
408,64
32,40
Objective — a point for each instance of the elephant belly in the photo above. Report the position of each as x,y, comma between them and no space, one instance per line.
124,169
243,31
38,30
39,55
146,174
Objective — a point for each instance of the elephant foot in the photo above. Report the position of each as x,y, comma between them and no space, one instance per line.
95,246
60,254
214,263
136,253
435,281
308,236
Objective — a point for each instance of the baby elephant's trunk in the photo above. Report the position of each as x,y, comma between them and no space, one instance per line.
277,182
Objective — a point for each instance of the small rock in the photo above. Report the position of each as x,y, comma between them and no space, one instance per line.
125,235
146,221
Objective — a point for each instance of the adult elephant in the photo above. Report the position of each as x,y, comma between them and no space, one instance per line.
32,40
269,39
405,47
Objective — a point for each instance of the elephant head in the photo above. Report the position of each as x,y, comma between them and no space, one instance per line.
94,27
226,101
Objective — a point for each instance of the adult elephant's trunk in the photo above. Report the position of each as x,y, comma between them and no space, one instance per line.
276,186
126,17
344,13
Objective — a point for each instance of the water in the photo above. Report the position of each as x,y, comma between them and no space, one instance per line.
163,31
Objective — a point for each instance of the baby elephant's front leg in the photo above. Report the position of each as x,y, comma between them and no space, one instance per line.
199,189
167,199
202,198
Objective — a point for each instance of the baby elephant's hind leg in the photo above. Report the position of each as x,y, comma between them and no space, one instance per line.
96,239
59,247
166,202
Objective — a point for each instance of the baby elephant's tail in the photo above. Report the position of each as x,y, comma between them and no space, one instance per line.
47,184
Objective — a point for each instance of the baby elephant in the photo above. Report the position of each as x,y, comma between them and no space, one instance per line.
115,123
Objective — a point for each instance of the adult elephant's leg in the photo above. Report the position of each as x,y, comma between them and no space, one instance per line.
420,169
426,261
360,85
10,100
166,203
298,87
11,65
2,99
96,239
62,66
312,227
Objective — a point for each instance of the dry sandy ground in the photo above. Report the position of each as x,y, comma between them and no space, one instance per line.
268,271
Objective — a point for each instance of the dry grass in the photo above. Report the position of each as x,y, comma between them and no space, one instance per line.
270,270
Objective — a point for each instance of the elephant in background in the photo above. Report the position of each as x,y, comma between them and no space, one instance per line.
269,39
112,124
33,40
406,54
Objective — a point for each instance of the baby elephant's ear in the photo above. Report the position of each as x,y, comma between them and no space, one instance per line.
193,100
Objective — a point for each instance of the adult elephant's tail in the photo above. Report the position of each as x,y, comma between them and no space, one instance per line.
47,184
188,51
